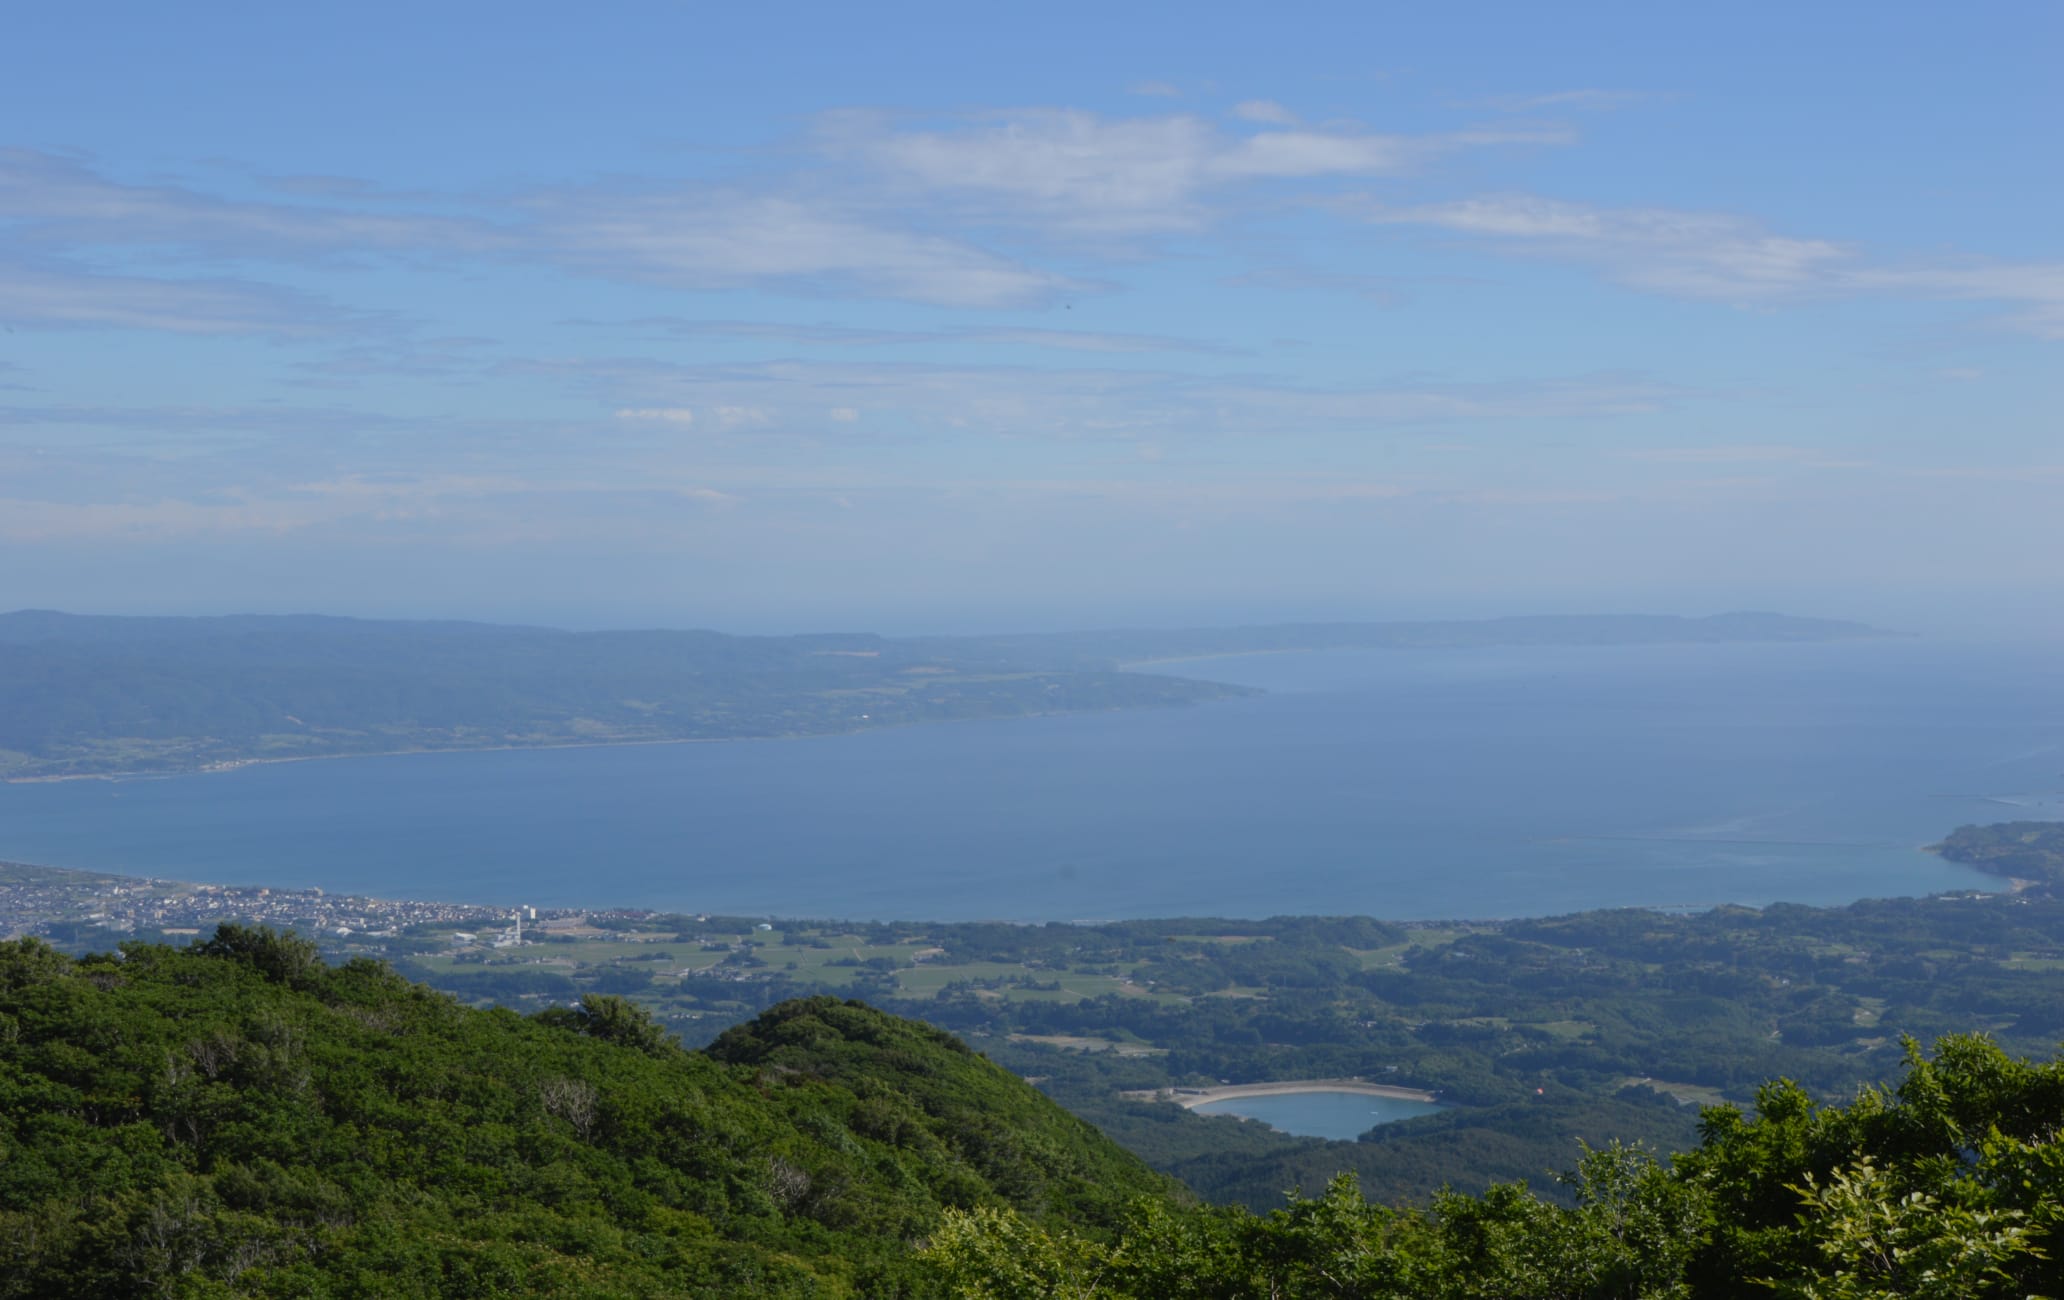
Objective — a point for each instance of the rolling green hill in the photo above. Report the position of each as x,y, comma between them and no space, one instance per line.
240,1119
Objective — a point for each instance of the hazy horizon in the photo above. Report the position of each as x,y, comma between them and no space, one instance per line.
1955,620
915,318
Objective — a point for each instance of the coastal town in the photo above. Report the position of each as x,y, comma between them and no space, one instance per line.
82,906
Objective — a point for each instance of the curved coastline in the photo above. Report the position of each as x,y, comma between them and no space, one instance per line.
1191,1098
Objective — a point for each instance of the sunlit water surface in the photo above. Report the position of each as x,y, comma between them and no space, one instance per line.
1400,784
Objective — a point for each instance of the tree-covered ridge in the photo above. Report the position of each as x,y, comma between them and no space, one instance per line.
1949,1187
2032,851
238,1118
1597,1026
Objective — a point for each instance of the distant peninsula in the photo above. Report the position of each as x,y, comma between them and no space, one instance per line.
88,695
2032,852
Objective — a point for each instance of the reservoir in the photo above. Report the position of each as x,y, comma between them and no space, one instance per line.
1408,784
1340,1116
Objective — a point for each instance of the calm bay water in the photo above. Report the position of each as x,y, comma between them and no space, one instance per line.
1341,1116
1400,784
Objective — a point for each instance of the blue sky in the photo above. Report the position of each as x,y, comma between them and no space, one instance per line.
970,316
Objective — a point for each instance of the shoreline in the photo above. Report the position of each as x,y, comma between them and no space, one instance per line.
1191,1098
1127,665
235,764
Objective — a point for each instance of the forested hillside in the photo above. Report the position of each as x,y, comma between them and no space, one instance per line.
1950,1187
240,1119
2028,851
1541,1033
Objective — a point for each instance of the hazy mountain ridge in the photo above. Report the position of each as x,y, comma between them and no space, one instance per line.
95,695
1132,645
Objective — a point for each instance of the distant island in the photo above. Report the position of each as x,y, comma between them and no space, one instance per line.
108,696
1119,646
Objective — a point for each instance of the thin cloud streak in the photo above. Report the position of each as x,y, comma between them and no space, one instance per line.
1728,258
707,242
1072,171
51,294
1074,403
62,202
849,336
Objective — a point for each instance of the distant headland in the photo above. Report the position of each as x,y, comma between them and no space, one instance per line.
87,696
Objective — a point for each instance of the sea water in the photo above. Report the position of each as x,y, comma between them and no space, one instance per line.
1406,784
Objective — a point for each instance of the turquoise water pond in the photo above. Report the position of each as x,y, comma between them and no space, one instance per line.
1342,1116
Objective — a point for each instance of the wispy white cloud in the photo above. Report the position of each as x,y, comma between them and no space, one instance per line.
1749,454
885,231
857,337
1264,110
1729,258
1069,170
62,201
712,241
1022,402
370,505
53,294
680,415
686,237
744,417
1384,290
2033,291
1591,100
1695,254
938,214
194,421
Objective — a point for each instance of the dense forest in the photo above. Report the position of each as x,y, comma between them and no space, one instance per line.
1540,1033
86,696
239,1118
1597,1026
1949,1186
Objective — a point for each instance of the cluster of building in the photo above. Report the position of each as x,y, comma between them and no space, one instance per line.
41,901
